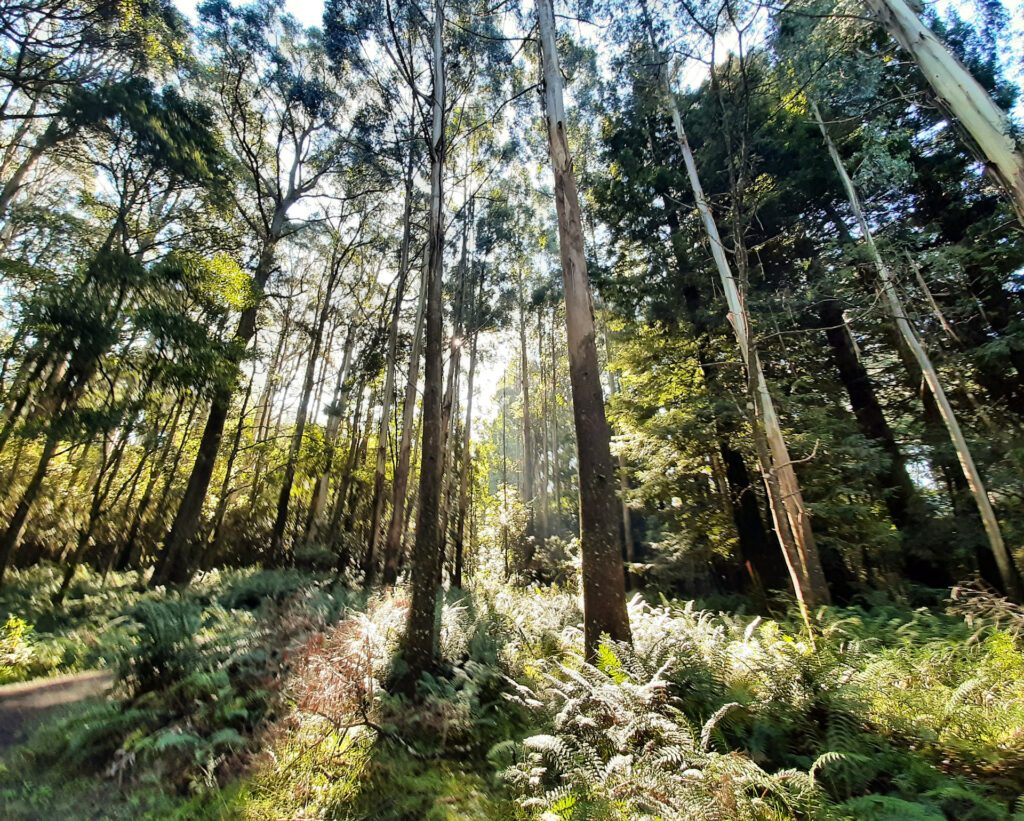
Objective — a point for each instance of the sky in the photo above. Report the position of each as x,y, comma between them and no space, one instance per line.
307,12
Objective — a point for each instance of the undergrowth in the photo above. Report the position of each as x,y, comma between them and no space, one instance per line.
260,696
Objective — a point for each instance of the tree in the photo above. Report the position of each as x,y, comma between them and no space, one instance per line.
297,141
604,590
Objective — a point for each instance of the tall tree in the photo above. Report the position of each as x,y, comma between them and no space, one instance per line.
604,590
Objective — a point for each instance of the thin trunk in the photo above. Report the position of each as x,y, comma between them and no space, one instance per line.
788,510
604,590
1004,560
400,484
467,466
101,491
529,500
542,494
309,377
16,525
384,429
225,489
627,519
337,413
175,562
556,449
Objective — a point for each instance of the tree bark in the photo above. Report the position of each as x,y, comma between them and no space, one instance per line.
529,498
174,563
338,405
384,429
420,639
400,484
466,467
604,590
302,413
789,513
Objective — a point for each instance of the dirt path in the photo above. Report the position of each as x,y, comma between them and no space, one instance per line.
24,704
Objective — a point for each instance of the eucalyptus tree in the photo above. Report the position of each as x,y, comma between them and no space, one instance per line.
287,123
789,512
420,49
851,81
153,150
961,94
604,591
56,59
348,235
411,42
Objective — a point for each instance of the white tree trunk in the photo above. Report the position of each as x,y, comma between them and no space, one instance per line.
1004,560
789,513
961,94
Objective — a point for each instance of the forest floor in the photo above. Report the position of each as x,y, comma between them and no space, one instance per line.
258,695
26,704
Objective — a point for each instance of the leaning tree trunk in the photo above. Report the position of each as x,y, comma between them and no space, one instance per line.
174,563
16,524
905,506
47,140
962,95
604,589
1004,560
101,491
421,632
789,512
295,447
226,491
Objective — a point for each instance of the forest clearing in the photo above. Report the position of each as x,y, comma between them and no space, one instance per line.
514,410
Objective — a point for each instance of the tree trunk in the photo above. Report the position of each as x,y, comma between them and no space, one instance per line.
529,500
467,466
1004,560
294,448
16,525
224,497
420,639
627,518
543,504
963,96
47,140
400,484
174,563
786,500
901,496
101,491
340,400
604,591
384,429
